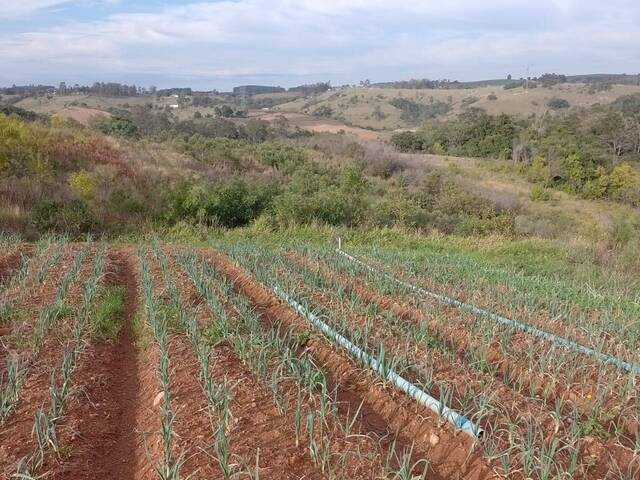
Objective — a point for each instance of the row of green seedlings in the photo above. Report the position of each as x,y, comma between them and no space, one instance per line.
259,350
168,468
614,399
19,281
45,423
218,396
18,366
559,366
275,356
614,329
526,439
537,455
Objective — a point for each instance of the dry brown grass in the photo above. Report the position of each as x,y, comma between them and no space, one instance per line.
357,105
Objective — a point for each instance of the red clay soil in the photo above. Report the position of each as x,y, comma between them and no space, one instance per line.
385,412
97,433
15,436
515,408
256,424
32,302
450,334
10,262
193,424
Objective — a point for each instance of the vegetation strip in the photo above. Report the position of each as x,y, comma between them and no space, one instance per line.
459,421
604,357
45,424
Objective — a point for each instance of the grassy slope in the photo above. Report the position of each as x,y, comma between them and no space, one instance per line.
564,216
518,101
550,271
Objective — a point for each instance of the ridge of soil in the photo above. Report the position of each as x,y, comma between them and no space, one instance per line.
9,262
255,424
16,439
386,412
572,395
514,406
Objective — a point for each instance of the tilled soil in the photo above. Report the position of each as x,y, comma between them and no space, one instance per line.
110,427
16,438
598,457
10,261
257,431
386,413
98,433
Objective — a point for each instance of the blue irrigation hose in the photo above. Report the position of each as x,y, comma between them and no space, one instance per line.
459,421
555,339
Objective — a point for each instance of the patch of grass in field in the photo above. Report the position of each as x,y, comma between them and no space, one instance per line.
107,317
140,329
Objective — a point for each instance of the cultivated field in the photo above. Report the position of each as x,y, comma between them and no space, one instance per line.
244,361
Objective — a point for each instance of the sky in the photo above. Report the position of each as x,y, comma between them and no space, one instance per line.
223,43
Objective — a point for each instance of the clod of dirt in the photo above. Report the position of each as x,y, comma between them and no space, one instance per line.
158,399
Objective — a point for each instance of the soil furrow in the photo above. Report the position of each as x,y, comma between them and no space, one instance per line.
9,262
451,454
257,430
548,388
97,434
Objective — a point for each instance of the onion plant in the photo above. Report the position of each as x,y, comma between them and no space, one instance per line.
45,423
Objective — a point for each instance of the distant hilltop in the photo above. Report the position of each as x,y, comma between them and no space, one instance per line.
305,89
256,89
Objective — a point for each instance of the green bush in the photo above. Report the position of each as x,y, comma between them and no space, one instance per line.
558,103
73,218
407,141
230,204
282,156
83,184
117,126
413,112
539,194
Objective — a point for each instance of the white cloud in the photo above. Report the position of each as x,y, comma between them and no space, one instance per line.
331,39
20,8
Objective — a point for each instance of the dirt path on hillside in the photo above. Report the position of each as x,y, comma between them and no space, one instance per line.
320,125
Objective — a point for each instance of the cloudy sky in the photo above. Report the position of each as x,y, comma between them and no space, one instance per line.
219,44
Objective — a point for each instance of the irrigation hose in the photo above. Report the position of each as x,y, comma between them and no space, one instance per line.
459,421
479,312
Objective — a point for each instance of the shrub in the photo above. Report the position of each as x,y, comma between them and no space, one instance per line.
230,204
73,218
407,141
117,126
557,103
413,112
539,194
469,101
282,156
628,104
325,111
492,97
82,184
538,171
438,149
399,210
